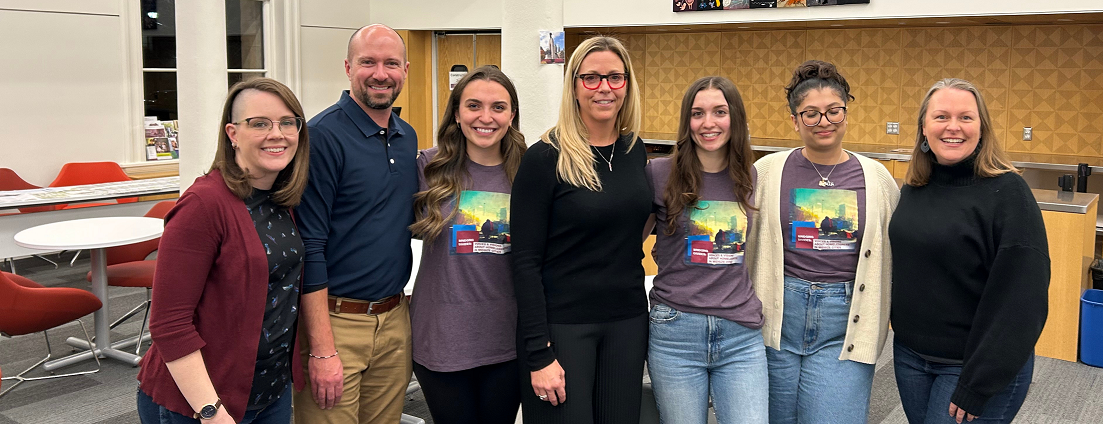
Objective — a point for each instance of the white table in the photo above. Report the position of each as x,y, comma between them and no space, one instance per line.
94,234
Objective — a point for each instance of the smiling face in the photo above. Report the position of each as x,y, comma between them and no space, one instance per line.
484,115
601,104
824,135
376,66
710,121
952,125
261,154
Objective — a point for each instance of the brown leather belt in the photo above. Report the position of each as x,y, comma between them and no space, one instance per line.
344,305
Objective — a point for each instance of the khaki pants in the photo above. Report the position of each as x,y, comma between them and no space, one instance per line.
375,351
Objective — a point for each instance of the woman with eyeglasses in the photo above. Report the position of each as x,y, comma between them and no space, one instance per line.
463,313
972,268
579,204
226,289
820,259
705,339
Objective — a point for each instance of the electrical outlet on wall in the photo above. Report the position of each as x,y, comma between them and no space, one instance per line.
892,128
1028,133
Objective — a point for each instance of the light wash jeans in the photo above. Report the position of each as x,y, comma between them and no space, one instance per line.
808,382
691,357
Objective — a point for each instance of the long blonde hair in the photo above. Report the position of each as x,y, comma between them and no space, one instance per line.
991,159
570,135
446,174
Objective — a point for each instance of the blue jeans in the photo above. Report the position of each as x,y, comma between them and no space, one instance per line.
925,390
279,412
808,382
692,356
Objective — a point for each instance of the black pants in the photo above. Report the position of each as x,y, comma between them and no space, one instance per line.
482,395
603,368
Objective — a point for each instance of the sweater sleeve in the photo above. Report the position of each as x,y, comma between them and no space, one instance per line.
316,207
1013,306
188,248
530,215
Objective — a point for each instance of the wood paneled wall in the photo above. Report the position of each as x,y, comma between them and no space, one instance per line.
1048,77
416,98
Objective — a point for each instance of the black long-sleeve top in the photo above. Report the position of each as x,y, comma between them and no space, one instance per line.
970,276
577,253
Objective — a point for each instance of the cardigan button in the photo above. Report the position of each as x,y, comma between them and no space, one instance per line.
868,253
855,318
850,348
862,287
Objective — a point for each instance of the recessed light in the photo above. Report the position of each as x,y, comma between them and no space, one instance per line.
744,27
942,22
1064,20
836,25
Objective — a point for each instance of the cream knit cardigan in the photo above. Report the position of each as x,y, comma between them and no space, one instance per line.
867,325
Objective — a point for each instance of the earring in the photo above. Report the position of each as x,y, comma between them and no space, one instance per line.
924,146
234,145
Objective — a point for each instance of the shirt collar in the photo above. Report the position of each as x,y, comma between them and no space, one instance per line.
364,122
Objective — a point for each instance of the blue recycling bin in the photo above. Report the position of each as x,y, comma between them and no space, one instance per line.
1091,328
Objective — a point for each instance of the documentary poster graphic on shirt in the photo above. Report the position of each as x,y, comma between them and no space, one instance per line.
715,233
822,219
482,224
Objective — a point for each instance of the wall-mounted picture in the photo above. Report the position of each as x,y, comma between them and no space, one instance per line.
699,5
552,47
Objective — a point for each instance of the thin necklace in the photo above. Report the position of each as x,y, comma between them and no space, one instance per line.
824,181
611,152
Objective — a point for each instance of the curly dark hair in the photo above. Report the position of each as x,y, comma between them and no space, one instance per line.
815,74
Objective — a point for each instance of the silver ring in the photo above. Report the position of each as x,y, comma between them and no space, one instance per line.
543,397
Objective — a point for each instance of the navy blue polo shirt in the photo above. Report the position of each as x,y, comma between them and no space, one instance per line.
358,203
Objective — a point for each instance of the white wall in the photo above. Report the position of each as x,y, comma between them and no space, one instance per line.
591,13
63,85
441,14
325,28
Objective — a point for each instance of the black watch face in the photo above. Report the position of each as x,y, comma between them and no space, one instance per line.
208,412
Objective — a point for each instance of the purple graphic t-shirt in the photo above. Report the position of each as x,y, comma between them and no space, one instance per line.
463,311
701,267
822,225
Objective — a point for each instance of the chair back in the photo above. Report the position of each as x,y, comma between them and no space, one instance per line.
9,180
139,251
27,307
80,173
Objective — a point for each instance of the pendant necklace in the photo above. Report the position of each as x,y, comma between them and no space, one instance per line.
824,180
608,161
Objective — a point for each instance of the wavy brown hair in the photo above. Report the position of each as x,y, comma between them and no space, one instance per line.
815,74
684,184
446,174
291,181
990,161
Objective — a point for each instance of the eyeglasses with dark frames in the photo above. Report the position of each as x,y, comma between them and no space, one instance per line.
288,126
593,81
834,115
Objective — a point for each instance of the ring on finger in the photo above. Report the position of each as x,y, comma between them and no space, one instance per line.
543,397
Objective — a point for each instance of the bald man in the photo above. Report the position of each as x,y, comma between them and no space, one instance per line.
354,219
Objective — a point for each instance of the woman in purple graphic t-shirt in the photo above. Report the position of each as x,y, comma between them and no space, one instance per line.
820,260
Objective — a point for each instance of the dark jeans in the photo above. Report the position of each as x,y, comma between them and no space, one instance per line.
925,390
279,412
603,367
481,395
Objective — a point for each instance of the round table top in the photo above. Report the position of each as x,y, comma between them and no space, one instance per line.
91,233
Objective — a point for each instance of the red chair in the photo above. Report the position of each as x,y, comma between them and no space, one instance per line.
127,267
80,173
27,307
9,180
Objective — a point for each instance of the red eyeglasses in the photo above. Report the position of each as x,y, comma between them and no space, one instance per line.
593,81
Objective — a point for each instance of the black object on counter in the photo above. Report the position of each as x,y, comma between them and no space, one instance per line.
1096,271
1082,173
1065,182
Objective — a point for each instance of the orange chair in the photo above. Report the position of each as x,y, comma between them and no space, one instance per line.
27,307
127,267
80,173
9,180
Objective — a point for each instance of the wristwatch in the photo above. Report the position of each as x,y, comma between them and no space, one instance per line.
208,411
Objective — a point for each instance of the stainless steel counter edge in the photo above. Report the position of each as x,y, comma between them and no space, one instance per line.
1071,202
904,157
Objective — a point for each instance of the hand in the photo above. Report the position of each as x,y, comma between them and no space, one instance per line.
959,414
549,381
327,381
221,417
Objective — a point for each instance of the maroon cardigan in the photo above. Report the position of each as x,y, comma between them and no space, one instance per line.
209,293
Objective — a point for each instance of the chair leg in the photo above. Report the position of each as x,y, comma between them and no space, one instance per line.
47,260
20,379
74,260
11,265
145,321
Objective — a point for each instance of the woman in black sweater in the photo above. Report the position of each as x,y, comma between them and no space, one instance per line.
970,270
579,204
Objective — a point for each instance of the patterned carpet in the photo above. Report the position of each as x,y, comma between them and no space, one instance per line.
1062,392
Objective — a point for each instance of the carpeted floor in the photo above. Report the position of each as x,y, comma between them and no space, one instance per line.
1062,392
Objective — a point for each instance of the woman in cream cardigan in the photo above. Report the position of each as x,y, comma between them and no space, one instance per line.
820,260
